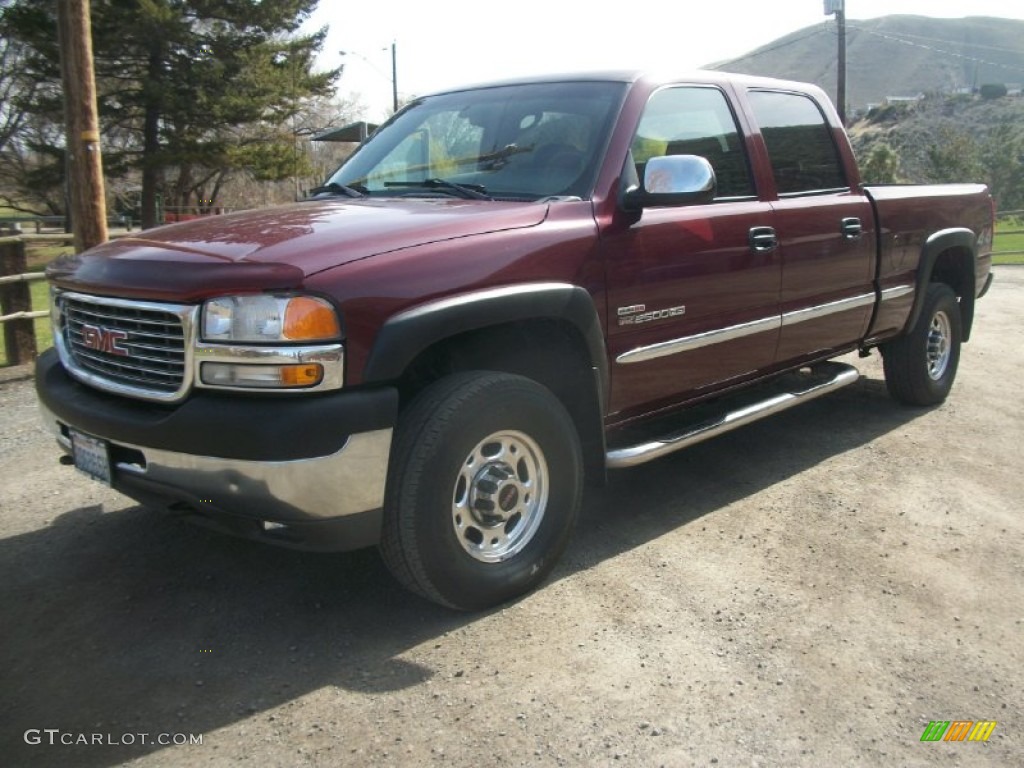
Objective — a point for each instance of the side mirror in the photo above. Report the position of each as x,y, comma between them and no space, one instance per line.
672,180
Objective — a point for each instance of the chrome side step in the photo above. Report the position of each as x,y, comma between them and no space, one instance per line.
839,375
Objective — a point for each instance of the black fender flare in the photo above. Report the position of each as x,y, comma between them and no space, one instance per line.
408,333
934,246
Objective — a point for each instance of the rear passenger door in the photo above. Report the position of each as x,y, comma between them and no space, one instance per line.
824,228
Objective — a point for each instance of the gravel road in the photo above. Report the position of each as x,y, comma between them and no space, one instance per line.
811,590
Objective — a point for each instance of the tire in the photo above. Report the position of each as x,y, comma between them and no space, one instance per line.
920,366
484,486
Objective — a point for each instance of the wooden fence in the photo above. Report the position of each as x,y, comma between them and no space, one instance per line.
15,225
16,313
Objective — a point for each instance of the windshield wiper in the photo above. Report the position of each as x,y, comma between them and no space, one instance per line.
467,191
499,159
338,189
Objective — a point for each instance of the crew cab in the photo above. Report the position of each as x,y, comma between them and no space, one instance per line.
508,290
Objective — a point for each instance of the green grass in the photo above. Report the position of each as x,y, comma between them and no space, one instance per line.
1009,242
38,255
41,301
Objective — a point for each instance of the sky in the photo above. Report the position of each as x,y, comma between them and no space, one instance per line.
454,42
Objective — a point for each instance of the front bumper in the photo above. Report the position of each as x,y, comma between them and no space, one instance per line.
306,471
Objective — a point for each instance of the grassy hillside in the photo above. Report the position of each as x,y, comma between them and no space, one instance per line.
911,129
896,56
960,138
948,134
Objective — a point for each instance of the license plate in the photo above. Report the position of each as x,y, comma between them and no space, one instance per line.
91,456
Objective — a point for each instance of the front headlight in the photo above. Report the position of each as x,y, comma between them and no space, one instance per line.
267,342
263,318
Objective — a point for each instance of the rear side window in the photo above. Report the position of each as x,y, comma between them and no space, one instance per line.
694,121
802,151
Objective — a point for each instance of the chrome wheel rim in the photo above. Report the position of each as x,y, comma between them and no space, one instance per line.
500,496
939,347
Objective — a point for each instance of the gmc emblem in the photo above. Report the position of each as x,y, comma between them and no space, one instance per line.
103,339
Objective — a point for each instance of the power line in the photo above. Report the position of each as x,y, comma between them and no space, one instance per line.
898,39
816,30
831,29
955,42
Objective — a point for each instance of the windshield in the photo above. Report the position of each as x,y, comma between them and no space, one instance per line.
518,142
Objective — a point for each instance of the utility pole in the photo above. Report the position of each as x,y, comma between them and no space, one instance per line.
838,7
82,129
394,76
394,70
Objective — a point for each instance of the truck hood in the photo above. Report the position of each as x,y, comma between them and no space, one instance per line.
276,248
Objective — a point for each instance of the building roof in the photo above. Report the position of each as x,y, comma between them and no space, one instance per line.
355,133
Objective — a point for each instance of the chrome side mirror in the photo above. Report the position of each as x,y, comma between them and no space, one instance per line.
672,180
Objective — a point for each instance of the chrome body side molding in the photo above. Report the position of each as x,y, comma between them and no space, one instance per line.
824,310
687,343
733,332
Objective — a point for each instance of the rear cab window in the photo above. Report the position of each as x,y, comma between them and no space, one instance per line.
802,151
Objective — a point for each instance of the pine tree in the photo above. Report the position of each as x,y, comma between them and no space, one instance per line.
189,91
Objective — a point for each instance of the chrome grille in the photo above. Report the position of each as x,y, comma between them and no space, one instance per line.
131,347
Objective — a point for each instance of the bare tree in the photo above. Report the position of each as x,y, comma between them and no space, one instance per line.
17,91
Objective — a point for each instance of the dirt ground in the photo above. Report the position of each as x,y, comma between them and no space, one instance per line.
809,591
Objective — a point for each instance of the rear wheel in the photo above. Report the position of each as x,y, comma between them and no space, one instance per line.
483,489
920,367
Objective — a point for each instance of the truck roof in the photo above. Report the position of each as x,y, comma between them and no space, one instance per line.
632,76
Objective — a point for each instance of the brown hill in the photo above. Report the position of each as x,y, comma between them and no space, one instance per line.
896,56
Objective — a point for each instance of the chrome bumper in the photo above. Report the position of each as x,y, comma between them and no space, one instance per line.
348,482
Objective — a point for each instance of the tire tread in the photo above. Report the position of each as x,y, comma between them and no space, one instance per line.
425,427
905,375
419,433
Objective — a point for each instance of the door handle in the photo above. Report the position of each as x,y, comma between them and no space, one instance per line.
852,228
763,239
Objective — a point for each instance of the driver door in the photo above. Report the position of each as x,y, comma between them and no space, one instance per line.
693,290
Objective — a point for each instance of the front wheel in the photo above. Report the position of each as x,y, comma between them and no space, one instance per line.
920,366
484,486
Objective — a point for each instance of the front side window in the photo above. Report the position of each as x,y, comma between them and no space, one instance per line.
520,142
800,145
694,121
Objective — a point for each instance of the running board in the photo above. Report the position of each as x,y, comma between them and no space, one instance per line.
839,375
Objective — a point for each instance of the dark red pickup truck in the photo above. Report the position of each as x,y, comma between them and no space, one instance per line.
506,290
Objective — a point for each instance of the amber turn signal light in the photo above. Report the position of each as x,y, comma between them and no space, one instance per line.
307,318
301,375
294,375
